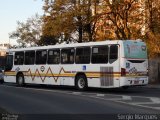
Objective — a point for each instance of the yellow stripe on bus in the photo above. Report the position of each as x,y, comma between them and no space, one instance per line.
88,75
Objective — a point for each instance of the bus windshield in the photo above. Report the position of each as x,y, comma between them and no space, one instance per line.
2,62
9,62
135,50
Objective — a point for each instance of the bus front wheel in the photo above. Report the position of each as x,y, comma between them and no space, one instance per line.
20,80
81,82
1,81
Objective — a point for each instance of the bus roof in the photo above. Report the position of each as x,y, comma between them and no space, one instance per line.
72,45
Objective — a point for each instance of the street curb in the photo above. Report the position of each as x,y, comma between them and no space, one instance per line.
157,86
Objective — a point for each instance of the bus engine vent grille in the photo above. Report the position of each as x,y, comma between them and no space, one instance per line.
106,76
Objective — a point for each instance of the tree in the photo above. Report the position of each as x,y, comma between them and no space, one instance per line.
47,40
124,18
58,21
67,18
28,32
153,26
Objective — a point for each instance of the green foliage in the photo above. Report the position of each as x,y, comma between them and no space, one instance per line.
93,20
67,18
47,40
124,19
28,32
152,30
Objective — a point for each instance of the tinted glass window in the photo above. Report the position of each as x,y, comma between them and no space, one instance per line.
83,55
54,56
2,61
29,57
9,62
67,56
113,55
19,58
100,54
41,57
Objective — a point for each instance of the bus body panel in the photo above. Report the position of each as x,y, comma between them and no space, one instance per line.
100,75
134,61
133,81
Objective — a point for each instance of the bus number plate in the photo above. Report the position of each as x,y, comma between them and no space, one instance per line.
136,82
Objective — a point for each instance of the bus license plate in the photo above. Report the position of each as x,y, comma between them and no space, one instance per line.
136,82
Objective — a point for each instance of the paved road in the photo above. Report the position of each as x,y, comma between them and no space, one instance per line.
35,100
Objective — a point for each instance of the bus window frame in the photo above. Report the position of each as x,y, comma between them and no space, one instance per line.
89,54
57,49
34,57
107,54
41,56
118,49
16,58
73,55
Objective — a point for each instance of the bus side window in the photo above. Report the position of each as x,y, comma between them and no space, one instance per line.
54,56
29,57
83,55
113,54
99,54
19,58
67,56
41,57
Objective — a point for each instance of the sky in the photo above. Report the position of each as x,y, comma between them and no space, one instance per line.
12,11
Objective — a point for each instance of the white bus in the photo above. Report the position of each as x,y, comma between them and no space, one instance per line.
106,64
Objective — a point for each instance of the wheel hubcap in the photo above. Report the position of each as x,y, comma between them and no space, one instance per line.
20,80
81,83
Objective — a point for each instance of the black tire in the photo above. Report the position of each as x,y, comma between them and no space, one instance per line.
81,82
20,80
1,81
125,87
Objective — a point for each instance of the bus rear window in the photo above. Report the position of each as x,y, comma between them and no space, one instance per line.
135,50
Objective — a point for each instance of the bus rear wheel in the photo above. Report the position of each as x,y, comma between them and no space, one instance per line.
20,80
81,82
125,87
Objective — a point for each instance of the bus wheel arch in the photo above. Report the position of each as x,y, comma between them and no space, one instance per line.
81,82
20,79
